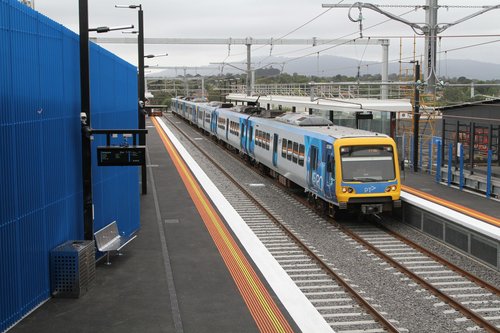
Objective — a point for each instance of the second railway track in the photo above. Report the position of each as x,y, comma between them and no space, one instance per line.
320,279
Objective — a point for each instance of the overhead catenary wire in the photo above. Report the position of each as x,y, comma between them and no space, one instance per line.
410,57
332,41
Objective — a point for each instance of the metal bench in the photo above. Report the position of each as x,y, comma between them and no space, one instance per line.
109,239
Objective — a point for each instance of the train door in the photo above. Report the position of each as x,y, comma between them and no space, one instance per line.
243,140
275,150
250,139
330,172
213,123
314,177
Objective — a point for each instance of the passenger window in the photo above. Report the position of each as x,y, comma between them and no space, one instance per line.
295,155
301,155
268,140
283,148
289,151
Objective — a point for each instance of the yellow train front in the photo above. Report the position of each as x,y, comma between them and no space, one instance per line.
367,174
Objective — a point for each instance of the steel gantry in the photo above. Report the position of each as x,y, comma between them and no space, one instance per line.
430,29
249,41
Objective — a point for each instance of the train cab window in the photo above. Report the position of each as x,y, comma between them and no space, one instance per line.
283,148
268,140
295,155
301,155
367,163
289,150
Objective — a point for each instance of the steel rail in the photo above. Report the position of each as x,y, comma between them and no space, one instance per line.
441,260
361,301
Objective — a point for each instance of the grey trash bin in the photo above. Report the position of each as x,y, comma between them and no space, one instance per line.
72,268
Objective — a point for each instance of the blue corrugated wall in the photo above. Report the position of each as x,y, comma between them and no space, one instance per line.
40,150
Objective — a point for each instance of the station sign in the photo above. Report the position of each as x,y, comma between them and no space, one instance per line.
121,156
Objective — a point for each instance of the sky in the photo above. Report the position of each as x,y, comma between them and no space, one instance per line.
276,18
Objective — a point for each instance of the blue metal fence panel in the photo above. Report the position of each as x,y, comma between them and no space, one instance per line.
40,149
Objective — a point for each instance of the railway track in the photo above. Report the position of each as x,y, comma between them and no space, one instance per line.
459,291
474,298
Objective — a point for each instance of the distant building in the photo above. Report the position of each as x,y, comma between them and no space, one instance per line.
29,3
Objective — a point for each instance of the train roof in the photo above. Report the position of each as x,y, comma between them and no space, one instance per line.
300,122
303,122
301,119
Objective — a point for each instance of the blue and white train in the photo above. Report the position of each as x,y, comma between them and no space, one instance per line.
341,167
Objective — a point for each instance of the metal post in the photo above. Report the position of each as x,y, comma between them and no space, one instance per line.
385,69
438,164
471,145
430,44
429,165
421,152
461,167
186,88
416,117
249,71
202,87
457,134
142,98
88,220
252,82
488,174
443,139
450,162
403,145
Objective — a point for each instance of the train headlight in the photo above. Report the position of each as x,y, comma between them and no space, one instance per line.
391,188
346,189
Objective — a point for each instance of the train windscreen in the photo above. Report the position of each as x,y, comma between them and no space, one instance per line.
367,163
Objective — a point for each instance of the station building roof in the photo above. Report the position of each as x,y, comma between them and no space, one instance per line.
479,112
304,103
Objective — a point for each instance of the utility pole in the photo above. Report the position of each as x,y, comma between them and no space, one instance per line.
142,96
430,29
431,32
85,116
249,69
416,116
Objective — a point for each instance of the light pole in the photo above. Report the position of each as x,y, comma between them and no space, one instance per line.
142,93
88,221
85,116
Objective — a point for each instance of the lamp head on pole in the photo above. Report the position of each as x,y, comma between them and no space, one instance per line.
129,6
100,30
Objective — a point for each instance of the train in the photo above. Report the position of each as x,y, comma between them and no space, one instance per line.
339,168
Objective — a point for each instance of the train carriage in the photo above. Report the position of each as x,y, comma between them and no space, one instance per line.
347,168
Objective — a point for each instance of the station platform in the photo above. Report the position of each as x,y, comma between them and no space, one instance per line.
469,203
176,276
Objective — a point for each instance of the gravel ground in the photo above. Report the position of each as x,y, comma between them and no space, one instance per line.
404,302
